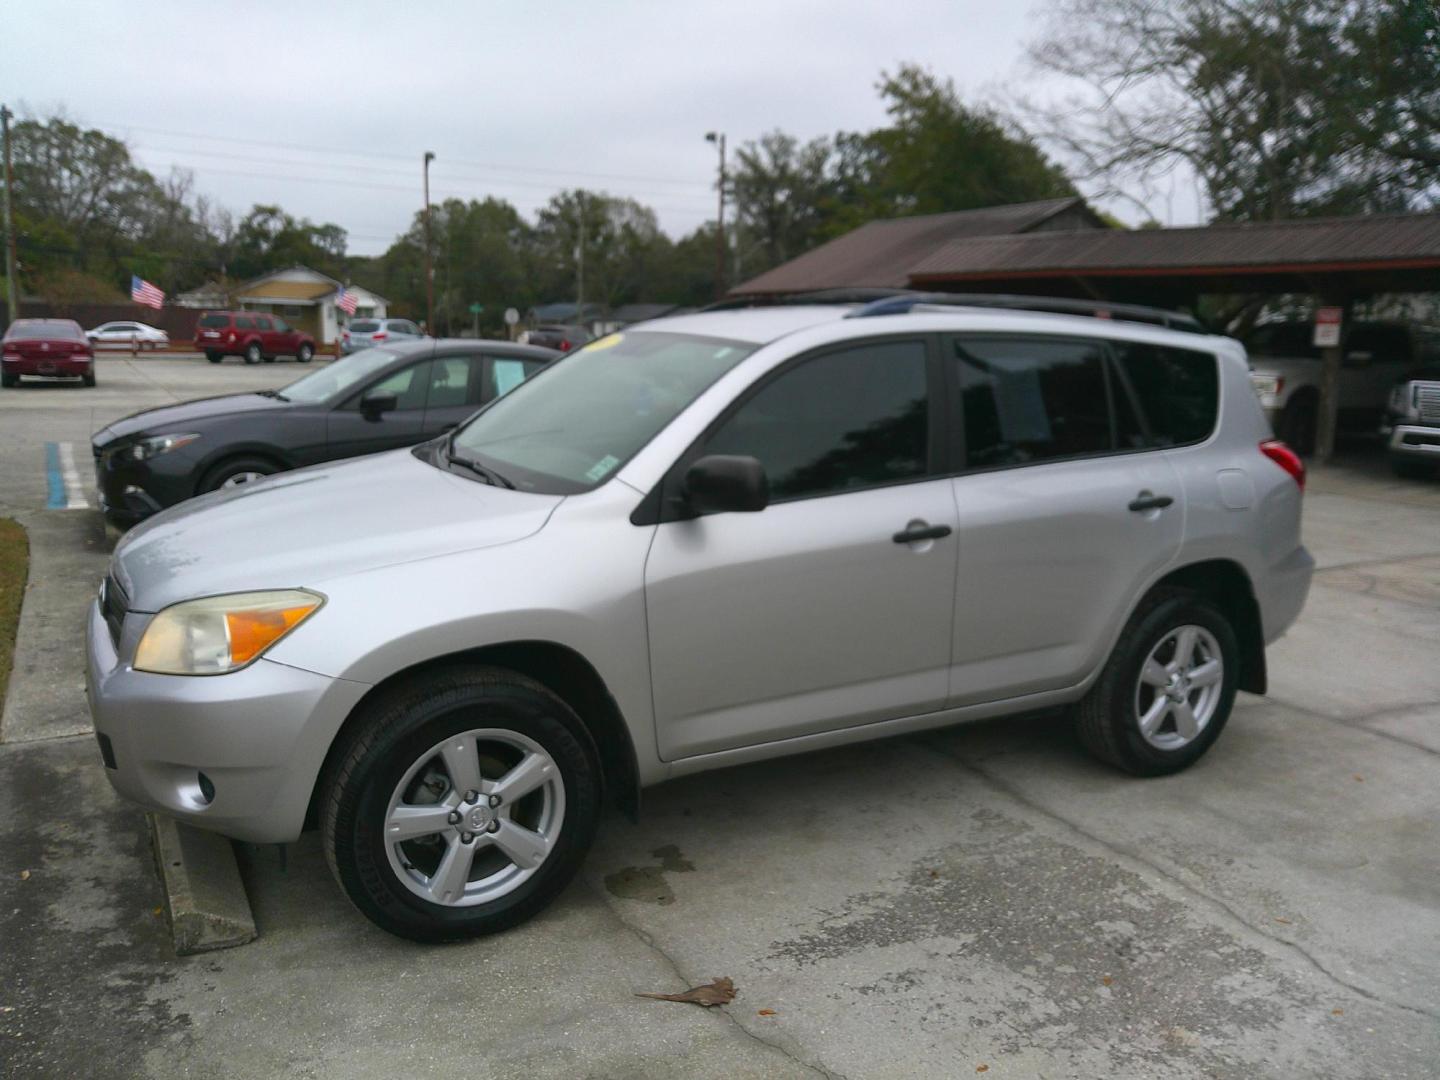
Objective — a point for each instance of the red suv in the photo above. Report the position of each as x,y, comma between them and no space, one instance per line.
46,347
254,335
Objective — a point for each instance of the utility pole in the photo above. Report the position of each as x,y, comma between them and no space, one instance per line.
719,139
429,269
579,257
12,283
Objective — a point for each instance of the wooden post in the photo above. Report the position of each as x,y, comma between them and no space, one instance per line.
1331,359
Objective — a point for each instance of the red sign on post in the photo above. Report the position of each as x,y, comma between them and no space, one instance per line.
1327,327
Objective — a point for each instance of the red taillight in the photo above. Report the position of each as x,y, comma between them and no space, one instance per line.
379,335
564,346
1286,458
346,335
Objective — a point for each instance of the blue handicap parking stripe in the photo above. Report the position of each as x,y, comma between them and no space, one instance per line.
54,482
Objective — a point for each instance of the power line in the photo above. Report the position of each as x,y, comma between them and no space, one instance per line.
402,157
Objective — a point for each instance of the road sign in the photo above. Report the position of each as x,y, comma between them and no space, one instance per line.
1327,327
476,309
511,316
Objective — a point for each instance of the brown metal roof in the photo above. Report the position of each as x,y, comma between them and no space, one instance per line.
881,254
1322,245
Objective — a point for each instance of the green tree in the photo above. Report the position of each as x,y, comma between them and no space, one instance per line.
1280,108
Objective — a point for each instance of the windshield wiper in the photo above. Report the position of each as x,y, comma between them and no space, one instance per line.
490,476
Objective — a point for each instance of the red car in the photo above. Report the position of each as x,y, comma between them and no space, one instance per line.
47,348
254,335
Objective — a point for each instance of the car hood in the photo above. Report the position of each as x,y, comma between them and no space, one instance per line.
169,418
323,522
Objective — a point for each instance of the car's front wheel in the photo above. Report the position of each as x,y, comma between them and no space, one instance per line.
460,804
1167,689
237,472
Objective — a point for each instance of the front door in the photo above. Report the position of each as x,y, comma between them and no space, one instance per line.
349,432
1051,552
816,613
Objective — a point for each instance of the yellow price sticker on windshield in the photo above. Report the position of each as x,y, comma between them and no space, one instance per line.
609,341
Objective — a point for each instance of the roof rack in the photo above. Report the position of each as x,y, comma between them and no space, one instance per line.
902,302
820,296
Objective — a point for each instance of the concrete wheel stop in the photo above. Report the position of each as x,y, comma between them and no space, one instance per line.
205,901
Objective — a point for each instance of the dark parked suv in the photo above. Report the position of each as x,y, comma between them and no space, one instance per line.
379,399
254,335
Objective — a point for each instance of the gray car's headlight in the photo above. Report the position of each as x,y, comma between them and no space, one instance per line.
158,444
221,634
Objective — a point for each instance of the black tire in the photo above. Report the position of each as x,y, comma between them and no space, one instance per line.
213,356
253,355
306,354
88,380
395,731
1106,720
1409,469
9,380
216,477
1298,423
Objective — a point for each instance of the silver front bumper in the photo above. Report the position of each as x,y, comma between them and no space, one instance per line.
260,736
1413,440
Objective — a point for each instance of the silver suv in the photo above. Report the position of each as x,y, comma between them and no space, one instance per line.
367,333
719,538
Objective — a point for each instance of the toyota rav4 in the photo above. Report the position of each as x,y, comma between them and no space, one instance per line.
709,540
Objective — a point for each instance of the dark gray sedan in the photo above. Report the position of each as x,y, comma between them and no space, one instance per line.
374,400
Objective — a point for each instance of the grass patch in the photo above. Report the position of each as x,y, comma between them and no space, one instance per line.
14,570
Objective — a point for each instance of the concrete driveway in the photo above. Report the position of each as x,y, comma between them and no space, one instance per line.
981,900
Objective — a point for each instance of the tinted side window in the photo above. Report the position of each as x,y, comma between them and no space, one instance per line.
409,385
262,323
450,381
1179,390
845,420
242,323
1029,400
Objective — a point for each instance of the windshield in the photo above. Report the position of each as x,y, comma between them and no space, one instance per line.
567,429
339,377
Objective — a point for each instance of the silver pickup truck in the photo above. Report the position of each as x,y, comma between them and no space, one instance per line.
1412,423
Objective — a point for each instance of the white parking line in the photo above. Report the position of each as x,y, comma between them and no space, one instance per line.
74,490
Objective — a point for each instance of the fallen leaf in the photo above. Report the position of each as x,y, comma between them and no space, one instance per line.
1359,778
24,875
765,1012
934,873
982,1068
718,992
157,912
1106,979
1337,1012
1283,922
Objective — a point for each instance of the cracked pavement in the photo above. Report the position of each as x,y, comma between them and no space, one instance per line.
984,895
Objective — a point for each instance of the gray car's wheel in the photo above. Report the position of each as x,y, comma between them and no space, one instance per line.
1298,421
237,472
253,355
1167,689
459,804
305,354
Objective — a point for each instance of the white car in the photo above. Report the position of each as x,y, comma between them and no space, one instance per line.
138,334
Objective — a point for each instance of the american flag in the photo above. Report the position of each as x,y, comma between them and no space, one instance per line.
346,301
142,292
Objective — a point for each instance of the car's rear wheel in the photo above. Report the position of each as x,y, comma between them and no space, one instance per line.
1410,469
1298,422
237,472
305,354
253,355
213,356
88,379
1167,690
460,804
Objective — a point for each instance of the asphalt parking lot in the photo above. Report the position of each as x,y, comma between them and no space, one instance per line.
981,900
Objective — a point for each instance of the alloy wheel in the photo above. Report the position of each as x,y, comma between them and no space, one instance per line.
1180,687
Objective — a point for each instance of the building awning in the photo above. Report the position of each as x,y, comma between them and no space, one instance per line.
1329,256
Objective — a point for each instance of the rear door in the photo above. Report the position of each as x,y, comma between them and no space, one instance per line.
349,432
1060,511
455,392
816,613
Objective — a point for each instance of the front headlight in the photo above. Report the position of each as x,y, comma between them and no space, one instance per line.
158,444
221,634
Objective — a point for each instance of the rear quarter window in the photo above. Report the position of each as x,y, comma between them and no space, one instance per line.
214,321
364,326
1178,390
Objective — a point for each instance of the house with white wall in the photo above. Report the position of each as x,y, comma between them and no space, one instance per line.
305,299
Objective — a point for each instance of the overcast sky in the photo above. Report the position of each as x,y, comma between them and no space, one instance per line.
326,108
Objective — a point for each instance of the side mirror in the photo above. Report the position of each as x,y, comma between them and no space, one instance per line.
721,483
376,403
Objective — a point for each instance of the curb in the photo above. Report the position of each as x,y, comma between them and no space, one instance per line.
205,902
